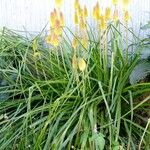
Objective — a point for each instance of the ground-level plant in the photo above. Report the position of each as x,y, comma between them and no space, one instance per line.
74,94
49,101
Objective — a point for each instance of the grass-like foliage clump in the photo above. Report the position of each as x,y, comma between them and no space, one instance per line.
73,95
47,104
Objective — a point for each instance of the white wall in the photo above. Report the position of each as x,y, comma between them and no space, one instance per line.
32,15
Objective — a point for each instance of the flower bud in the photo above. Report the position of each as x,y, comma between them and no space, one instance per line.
81,64
58,3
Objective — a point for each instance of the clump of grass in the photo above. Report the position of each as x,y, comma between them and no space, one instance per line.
45,104
72,95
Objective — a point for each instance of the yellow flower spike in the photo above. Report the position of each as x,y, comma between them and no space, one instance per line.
52,19
76,18
82,24
114,2
57,28
55,13
57,23
81,64
94,12
107,13
62,22
97,11
76,4
74,43
126,16
48,39
115,15
74,62
125,3
58,3
80,11
85,12
54,40
103,23
97,5
58,31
